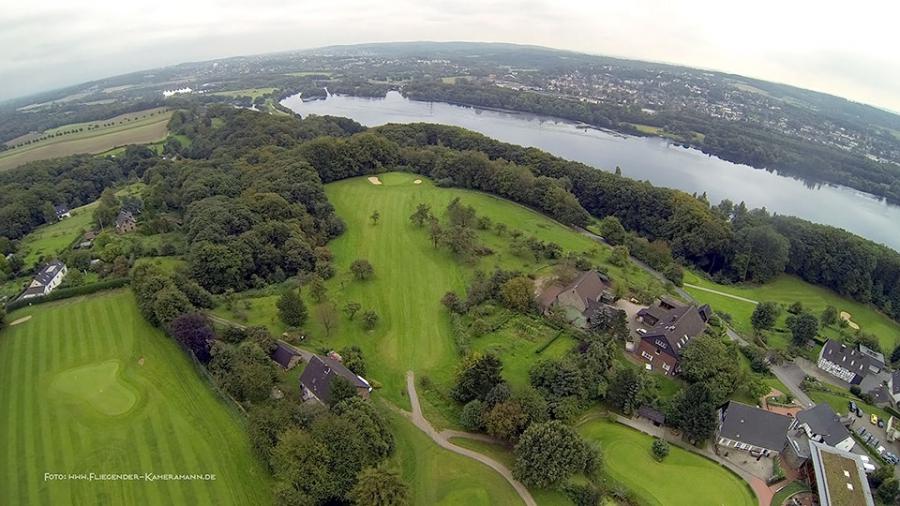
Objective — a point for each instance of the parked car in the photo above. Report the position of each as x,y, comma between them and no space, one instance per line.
641,331
874,419
852,405
881,424
859,412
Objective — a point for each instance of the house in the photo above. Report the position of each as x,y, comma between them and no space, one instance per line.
848,363
583,297
47,279
62,212
285,355
894,387
838,476
822,424
125,222
754,430
320,372
673,325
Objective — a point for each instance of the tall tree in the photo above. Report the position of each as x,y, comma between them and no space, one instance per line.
804,327
380,487
476,377
549,453
291,308
693,411
764,316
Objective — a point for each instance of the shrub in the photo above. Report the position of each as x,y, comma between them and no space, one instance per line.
660,449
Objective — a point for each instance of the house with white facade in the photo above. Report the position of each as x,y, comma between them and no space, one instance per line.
849,363
47,279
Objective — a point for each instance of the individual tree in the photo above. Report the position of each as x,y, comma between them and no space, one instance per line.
375,217
712,361
829,316
233,334
461,241
550,453
302,475
895,355
421,216
612,230
471,416
194,332
500,393
764,316
477,375
558,378
804,327
2,316
341,389
291,309
796,308
352,357
169,303
765,250
619,256
317,289
370,319
351,308
625,390
888,491
362,269
328,317
435,232
693,411
660,449
459,215
506,421
518,294
379,487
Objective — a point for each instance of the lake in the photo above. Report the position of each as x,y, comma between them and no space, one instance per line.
656,160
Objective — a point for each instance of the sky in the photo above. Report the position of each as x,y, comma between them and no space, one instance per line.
849,49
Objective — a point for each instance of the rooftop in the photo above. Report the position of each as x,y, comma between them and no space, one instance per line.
321,371
840,477
824,422
754,426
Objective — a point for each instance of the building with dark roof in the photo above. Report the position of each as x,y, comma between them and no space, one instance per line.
849,363
654,415
580,299
62,212
46,280
285,355
822,424
894,387
320,373
673,325
754,430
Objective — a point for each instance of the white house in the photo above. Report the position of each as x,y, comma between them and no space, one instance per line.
46,280
848,363
822,424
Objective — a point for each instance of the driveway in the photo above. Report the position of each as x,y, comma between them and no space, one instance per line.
792,375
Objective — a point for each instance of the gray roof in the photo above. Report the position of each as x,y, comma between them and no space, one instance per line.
651,413
124,217
283,354
825,423
321,371
861,361
754,426
895,382
676,323
48,272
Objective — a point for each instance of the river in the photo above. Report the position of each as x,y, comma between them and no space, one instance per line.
648,158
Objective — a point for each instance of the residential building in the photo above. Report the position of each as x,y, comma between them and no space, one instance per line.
47,279
672,326
125,222
580,299
822,424
757,431
839,476
62,212
320,373
894,387
849,363
286,355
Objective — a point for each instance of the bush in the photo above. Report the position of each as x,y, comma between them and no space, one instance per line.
471,417
65,293
660,449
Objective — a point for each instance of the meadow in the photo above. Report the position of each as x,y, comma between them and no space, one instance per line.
140,129
90,387
628,460
49,240
249,92
786,290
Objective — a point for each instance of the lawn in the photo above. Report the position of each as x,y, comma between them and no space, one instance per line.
786,290
90,387
149,128
440,477
682,478
411,276
50,240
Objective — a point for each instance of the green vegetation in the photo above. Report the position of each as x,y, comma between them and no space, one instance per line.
152,127
48,241
253,93
92,387
438,476
786,290
628,459
789,490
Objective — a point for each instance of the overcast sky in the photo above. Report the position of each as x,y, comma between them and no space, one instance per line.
850,49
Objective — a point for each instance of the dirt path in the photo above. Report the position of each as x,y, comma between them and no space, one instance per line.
442,439
723,294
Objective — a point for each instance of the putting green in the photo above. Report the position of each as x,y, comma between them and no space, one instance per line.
98,386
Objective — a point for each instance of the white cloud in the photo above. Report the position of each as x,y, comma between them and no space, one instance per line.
845,49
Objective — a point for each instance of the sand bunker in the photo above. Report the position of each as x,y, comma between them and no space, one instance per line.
374,180
417,181
850,323
20,321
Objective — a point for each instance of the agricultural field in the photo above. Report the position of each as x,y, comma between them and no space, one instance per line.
151,126
92,388
249,92
786,290
628,460
411,276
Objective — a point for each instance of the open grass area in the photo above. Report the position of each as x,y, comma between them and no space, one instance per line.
139,130
786,290
682,478
440,477
50,240
89,387
411,276
247,92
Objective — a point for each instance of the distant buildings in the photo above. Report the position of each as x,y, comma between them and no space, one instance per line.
319,375
179,91
850,364
46,280
672,326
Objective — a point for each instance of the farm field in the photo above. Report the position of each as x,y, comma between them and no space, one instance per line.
411,276
90,387
440,477
681,479
249,92
786,290
150,128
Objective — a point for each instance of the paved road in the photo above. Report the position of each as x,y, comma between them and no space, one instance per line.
442,439
717,292
791,375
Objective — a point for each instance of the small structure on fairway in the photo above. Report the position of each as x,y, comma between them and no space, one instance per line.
320,372
46,280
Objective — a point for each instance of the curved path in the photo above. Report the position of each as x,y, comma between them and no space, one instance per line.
443,440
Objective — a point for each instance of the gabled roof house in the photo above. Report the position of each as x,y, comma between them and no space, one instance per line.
46,280
672,326
320,373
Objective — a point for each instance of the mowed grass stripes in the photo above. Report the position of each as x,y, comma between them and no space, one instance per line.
75,398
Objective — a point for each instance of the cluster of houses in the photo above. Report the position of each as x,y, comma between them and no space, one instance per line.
862,367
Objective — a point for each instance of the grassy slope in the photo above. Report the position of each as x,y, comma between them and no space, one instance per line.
141,131
682,478
787,290
440,477
248,92
49,240
178,424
